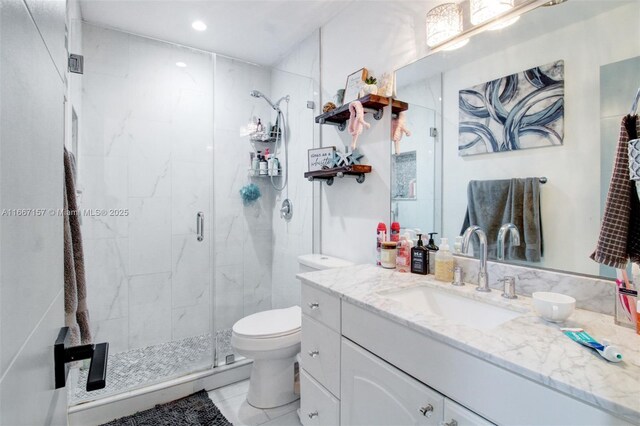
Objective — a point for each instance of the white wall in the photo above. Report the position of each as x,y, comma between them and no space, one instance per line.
381,36
570,199
32,89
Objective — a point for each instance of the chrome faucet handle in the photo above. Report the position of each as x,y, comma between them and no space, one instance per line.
483,282
509,287
457,276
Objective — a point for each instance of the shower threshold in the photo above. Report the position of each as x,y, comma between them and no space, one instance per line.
140,367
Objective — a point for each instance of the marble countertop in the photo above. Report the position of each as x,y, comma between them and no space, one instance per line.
527,345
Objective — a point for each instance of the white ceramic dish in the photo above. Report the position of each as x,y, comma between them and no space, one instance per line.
553,307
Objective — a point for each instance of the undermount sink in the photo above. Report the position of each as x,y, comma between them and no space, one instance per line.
460,309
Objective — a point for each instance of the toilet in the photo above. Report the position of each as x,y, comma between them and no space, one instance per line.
272,340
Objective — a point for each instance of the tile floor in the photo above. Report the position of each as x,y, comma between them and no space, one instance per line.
232,402
145,366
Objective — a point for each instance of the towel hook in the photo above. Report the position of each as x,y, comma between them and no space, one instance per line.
543,180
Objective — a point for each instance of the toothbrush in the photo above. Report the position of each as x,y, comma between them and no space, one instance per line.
624,302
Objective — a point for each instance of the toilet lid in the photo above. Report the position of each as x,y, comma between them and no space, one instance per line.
272,323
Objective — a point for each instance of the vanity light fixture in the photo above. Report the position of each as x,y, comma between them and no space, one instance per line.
181,65
443,23
199,26
484,10
505,13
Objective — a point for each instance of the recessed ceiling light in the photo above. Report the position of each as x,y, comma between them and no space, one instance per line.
181,64
199,26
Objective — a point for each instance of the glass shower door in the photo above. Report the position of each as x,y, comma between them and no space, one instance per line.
145,157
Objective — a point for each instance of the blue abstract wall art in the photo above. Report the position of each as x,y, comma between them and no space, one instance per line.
519,111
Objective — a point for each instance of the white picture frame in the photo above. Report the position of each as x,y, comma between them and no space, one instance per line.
320,158
355,81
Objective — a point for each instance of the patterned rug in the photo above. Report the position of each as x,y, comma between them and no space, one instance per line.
194,410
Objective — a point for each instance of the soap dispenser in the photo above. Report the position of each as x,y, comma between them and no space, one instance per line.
432,248
403,258
444,262
419,258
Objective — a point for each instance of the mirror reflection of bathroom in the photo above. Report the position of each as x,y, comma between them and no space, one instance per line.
569,170
413,173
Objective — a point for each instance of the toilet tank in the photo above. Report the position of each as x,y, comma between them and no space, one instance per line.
319,262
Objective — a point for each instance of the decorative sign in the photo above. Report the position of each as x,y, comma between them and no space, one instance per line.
321,158
355,82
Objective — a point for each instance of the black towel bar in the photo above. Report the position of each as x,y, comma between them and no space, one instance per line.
62,354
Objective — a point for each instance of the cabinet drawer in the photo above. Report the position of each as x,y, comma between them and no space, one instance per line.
321,353
457,414
321,306
375,393
317,406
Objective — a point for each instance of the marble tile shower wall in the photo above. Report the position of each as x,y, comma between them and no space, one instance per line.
300,80
146,146
243,240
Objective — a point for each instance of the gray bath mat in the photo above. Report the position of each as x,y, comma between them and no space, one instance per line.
194,410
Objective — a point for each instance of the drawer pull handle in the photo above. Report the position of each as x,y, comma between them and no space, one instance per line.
314,354
427,411
313,415
453,422
314,305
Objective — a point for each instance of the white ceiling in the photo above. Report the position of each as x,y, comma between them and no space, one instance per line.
257,31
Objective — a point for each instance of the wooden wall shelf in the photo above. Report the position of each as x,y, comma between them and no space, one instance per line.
357,170
372,103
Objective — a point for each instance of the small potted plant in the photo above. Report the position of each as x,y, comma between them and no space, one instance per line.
369,87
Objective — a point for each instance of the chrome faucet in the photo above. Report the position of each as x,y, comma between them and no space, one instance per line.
483,276
502,233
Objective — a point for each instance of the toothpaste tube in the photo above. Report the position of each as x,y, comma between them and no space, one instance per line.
610,353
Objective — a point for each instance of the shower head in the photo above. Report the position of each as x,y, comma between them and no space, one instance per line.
275,106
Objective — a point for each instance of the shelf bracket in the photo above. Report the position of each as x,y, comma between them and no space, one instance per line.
340,126
360,177
377,113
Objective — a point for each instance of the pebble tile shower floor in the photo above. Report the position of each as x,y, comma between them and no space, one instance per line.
145,366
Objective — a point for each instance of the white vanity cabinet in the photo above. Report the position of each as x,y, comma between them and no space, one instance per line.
457,415
378,394
320,358
361,368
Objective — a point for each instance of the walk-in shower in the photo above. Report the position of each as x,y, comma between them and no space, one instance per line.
164,143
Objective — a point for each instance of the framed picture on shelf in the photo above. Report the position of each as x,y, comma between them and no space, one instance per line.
321,158
355,81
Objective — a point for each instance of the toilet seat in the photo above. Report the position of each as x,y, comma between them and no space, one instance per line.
269,330
270,324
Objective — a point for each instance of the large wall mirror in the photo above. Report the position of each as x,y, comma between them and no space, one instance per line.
541,99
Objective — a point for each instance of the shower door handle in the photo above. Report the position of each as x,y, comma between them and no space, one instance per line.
200,226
